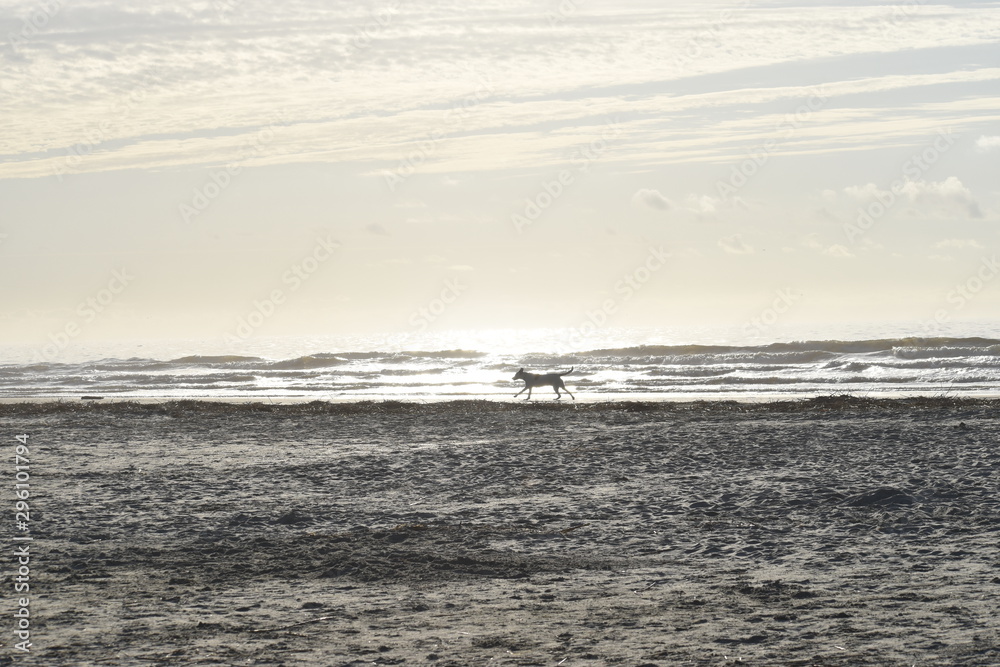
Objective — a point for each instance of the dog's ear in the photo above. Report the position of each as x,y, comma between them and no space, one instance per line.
521,371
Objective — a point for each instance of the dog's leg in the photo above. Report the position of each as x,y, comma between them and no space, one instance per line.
529,393
567,391
520,392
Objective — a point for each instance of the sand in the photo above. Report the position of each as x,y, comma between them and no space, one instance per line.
834,531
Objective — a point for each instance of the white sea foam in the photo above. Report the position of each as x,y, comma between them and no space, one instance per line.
644,365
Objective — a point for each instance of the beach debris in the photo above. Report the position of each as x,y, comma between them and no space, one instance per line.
319,619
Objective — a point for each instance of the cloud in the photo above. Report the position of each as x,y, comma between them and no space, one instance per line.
986,144
205,84
812,242
949,198
959,243
703,205
735,245
864,193
836,250
946,197
652,199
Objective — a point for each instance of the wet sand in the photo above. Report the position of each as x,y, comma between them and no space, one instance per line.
834,531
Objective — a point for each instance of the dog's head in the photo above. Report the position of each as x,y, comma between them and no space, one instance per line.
520,375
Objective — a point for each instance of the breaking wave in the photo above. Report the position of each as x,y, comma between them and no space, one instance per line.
903,364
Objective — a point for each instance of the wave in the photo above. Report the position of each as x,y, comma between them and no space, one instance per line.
414,354
798,352
946,351
798,347
797,366
447,354
308,362
403,372
197,360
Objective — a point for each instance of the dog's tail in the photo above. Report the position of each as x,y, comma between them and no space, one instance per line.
567,372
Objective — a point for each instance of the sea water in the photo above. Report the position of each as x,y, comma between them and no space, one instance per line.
607,364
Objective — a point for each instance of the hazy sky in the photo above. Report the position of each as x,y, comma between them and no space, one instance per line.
242,168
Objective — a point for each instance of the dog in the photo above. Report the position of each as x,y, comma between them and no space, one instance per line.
553,380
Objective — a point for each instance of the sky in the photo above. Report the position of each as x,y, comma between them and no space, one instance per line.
235,169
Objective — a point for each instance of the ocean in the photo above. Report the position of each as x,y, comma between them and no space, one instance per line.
614,364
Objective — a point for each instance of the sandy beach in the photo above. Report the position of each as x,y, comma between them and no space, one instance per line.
832,531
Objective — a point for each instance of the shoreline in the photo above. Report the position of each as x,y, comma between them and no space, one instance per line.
842,402
505,397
